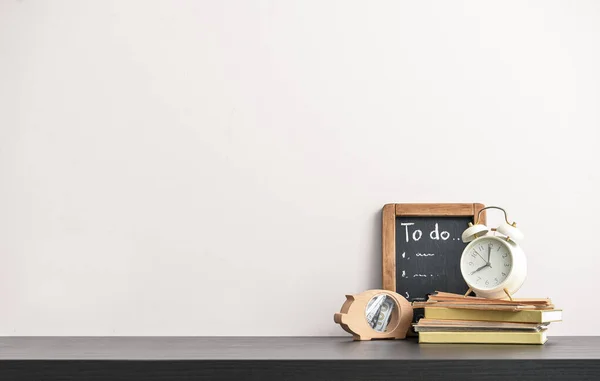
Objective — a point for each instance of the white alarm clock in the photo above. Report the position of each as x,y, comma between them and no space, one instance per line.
493,265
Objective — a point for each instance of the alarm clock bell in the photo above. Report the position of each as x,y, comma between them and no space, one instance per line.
510,231
473,231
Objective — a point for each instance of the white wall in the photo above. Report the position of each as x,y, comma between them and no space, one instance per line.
218,168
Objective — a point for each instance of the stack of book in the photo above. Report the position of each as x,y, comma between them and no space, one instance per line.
453,318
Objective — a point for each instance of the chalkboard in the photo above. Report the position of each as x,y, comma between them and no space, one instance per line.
422,247
428,251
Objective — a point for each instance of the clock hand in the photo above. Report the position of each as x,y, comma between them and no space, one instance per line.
484,266
489,252
480,256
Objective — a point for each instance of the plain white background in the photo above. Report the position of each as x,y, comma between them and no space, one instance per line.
219,167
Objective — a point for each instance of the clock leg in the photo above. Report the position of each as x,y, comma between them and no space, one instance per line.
468,292
508,294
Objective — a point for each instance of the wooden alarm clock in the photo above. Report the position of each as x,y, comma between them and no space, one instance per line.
375,314
493,264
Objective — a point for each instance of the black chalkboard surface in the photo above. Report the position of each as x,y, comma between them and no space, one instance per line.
422,246
428,251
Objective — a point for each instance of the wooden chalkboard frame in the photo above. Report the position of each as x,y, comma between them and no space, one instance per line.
388,229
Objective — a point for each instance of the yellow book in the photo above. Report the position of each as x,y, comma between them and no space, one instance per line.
483,337
524,316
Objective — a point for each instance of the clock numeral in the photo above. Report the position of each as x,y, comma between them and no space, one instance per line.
487,282
471,263
506,264
504,255
478,279
496,279
503,274
474,255
499,247
481,248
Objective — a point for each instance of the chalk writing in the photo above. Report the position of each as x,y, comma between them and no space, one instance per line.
434,235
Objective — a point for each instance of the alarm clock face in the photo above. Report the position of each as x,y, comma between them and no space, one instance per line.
486,263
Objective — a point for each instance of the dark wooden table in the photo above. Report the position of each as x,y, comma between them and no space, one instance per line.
291,358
